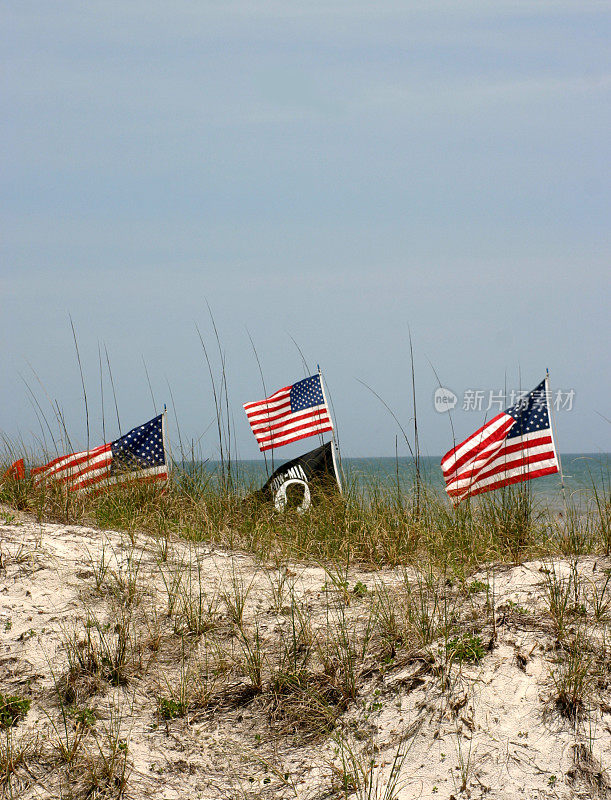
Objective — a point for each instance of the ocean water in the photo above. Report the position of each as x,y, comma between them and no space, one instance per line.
583,473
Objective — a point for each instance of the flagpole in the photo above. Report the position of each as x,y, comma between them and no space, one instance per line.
554,435
166,441
335,446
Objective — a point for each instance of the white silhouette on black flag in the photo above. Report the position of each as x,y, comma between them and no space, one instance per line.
301,478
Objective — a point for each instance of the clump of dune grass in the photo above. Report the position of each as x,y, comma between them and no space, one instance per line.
575,675
16,752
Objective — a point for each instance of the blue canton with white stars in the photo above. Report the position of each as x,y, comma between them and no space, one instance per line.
306,393
141,448
530,413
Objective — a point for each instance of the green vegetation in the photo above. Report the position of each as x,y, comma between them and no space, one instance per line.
12,709
466,647
85,717
170,709
378,528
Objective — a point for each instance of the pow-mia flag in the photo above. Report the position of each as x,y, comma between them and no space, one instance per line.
299,480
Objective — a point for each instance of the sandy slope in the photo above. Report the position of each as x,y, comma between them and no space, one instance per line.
492,731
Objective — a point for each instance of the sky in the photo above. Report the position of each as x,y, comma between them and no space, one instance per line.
317,180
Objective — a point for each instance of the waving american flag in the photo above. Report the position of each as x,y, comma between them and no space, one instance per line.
292,413
517,445
140,455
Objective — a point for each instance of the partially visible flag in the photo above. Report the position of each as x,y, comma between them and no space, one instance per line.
517,445
292,413
140,455
16,471
311,472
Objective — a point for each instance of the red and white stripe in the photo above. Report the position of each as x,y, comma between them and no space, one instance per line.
76,469
148,475
488,460
274,424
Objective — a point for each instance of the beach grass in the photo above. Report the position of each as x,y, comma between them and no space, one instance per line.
375,525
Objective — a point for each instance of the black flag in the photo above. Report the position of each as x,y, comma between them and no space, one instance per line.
302,478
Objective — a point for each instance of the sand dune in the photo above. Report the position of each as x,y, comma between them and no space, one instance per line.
490,727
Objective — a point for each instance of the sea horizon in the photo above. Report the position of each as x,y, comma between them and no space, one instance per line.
584,474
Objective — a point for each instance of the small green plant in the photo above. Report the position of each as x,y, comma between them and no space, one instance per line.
360,590
163,536
478,586
465,647
12,709
85,717
343,649
191,688
172,579
280,584
124,583
513,606
338,580
252,657
391,623
373,706
428,607
170,709
464,760
196,609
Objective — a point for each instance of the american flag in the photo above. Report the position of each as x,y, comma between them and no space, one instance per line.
292,413
517,445
137,456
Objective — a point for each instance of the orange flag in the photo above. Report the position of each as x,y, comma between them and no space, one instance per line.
16,471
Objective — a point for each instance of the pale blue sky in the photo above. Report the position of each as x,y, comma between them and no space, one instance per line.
332,172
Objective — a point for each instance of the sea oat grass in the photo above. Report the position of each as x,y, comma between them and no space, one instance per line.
575,675
376,527
16,752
